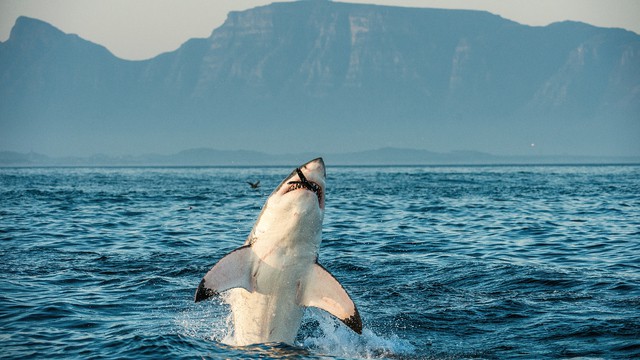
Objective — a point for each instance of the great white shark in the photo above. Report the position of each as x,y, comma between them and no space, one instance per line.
275,275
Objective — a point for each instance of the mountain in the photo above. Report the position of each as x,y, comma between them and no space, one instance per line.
331,77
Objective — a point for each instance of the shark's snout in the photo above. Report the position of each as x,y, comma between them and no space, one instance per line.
315,165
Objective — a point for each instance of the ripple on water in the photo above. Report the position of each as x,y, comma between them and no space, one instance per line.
443,262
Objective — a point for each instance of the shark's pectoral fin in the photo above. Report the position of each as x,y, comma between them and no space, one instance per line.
232,271
323,291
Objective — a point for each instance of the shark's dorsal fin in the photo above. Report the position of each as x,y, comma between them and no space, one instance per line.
323,291
232,271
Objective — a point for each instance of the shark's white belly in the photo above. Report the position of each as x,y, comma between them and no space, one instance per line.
273,312
260,318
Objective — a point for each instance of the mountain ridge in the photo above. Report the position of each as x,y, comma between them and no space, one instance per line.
287,74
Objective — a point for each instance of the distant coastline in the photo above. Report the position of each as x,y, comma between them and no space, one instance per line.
378,157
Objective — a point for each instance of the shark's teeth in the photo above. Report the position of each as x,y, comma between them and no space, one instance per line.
310,185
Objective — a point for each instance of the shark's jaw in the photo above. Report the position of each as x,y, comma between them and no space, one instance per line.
308,177
305,184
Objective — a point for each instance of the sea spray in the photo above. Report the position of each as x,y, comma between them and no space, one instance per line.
325,335
209,321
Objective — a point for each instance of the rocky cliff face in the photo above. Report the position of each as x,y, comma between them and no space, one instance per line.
370,74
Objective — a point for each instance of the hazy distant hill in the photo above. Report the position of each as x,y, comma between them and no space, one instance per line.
318,75
377,157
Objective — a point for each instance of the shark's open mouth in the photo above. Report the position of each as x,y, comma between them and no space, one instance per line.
306,184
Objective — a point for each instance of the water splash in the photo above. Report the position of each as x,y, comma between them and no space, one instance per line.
208,320
323,334
320,334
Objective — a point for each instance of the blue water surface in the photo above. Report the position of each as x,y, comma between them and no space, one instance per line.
442,262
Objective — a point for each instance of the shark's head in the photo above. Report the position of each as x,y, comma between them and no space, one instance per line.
296,206
305,184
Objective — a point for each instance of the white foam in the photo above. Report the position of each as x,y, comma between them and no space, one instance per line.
206,320
321,333
333,338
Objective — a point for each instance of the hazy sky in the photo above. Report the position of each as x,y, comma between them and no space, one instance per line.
140,29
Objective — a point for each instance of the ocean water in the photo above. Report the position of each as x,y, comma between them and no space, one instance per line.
442,262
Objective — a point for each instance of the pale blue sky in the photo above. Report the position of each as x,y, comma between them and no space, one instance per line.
141,29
